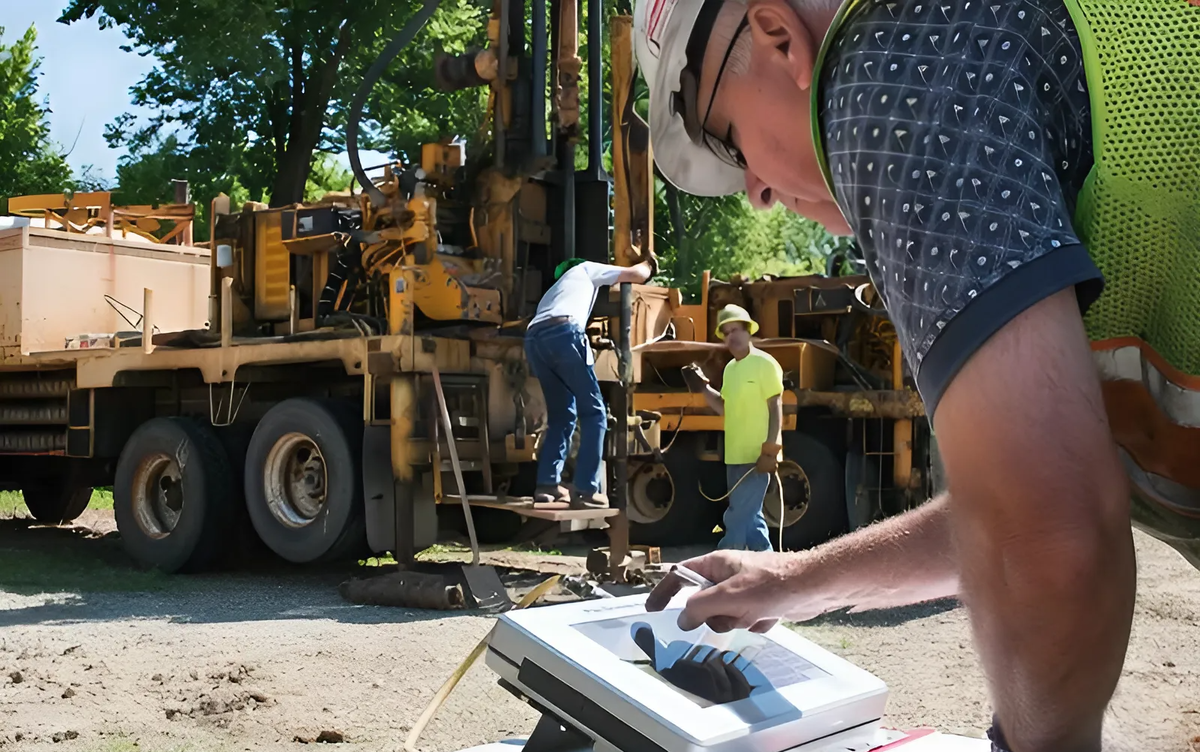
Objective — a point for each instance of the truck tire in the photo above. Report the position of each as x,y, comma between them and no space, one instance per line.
173,495
813,481
303,481
54,501
666,507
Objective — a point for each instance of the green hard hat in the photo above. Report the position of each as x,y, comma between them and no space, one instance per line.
562,268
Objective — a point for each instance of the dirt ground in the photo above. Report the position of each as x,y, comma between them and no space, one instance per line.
96,656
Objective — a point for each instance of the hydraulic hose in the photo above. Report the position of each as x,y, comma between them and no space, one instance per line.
398,43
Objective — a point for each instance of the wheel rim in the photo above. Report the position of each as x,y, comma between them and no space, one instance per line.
158,495
651,494
295,480
797,492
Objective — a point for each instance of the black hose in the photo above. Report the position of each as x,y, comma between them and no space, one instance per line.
398,43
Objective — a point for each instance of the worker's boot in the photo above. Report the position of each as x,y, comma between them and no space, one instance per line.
547,494
588,500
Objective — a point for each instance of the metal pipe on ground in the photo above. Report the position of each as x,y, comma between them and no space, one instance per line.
404,590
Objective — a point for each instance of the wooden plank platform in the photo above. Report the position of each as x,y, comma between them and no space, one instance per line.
555,511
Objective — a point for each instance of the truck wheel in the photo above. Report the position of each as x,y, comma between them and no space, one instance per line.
53,501
173,495
814,506
304,481
665,505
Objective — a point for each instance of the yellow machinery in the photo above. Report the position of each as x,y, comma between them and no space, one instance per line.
856,444
351,363
325,375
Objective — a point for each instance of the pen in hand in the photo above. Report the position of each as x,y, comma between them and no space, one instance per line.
689,576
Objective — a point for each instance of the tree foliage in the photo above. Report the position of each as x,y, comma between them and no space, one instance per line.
727,236
252,98
31,163
146,179
256,88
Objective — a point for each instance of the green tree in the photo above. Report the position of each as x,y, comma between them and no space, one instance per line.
31,162
326,176
144,178
408,109
256,88
727,236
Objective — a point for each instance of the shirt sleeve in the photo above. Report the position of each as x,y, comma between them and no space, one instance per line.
771,378
602,274
957,145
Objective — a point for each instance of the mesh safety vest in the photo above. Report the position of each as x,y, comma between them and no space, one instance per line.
1138,214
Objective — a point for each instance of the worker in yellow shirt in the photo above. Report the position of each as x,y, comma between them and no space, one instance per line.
751,401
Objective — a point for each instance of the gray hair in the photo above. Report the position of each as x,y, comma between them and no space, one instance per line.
739,56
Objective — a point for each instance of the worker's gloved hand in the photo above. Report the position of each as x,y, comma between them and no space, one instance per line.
694,378
768,461
651,259
718,676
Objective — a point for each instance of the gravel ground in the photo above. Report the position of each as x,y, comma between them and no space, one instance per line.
262,661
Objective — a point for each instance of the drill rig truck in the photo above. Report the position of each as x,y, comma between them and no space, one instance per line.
323,376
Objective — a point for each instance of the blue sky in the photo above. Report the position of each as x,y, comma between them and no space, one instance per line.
84,74
86,77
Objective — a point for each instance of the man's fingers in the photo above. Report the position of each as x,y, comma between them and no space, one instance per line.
763,626
716,567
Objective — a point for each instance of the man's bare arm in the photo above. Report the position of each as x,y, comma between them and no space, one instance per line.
716,403
636,274
902,560
1040,518
775,419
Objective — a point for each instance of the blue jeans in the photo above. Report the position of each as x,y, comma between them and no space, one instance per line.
745,527
561,360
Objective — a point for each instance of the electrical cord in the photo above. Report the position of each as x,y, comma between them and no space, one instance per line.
398,43
682,411
729,493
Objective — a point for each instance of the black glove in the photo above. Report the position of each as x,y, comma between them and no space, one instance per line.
694,378
719,676
650,258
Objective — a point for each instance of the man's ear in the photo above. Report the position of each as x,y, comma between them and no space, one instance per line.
780,33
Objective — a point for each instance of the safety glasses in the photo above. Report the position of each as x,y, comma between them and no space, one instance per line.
686,101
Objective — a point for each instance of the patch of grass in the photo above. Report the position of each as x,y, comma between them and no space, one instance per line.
129,743
386,560
102,498
533,548
123,744
12,503
64,570
441,549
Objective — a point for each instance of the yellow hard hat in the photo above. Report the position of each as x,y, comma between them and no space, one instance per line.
734,313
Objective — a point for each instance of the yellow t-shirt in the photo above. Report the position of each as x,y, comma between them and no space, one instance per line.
747,385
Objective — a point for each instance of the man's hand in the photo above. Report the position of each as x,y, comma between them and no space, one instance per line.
651,260
694,378
639,273
768,461
753,591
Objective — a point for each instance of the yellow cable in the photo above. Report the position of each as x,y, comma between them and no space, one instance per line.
444,692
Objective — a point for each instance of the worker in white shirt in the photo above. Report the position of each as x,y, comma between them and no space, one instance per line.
561,359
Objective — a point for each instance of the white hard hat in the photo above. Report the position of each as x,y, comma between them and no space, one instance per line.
661,32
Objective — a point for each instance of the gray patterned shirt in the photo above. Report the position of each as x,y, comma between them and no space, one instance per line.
958,135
